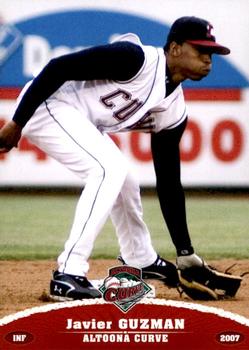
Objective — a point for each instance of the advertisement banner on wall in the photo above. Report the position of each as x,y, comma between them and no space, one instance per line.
214,148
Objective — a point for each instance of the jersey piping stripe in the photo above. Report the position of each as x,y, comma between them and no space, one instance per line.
98,190
175,98
173,125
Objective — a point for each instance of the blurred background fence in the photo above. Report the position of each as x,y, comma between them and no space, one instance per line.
214,148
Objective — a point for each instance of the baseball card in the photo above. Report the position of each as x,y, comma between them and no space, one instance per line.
124,176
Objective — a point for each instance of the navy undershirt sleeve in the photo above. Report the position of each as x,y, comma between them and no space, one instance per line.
166,157
117,61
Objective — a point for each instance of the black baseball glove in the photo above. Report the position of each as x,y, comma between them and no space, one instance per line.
206,283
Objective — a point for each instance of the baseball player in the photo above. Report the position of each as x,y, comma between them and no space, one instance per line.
70,109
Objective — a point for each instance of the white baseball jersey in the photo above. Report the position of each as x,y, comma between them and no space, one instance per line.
140,103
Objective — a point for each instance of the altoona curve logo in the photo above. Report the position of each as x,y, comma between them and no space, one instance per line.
124,287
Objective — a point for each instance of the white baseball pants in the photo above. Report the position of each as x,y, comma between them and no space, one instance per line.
65,134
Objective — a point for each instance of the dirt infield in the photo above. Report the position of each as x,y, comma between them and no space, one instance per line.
24,282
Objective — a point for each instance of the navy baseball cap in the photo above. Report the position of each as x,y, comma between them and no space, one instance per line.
195,31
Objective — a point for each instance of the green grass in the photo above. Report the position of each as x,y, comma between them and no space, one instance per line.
36,227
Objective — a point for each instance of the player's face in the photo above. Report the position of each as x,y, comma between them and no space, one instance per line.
195,62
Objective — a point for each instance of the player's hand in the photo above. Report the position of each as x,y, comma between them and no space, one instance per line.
10,135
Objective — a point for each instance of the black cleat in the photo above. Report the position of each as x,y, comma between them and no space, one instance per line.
64,287
161,270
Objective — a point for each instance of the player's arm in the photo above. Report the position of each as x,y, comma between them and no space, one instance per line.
118,61
166,157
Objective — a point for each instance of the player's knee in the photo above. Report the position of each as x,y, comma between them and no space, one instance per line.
110,170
